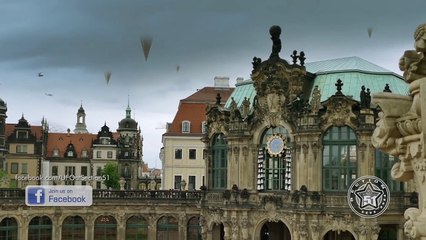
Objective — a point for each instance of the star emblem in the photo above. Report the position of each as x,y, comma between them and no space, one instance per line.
368,196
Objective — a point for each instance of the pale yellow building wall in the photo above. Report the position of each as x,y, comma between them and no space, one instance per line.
184,167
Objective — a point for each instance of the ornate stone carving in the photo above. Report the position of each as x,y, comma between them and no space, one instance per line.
339,111
401,131
315,100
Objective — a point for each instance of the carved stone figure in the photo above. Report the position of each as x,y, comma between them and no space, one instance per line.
315,100
401,131
275,32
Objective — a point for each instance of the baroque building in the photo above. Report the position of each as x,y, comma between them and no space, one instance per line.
284,151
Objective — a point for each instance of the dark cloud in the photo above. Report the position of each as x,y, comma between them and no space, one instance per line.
75,42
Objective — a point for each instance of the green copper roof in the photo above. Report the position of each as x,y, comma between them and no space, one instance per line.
242,90
344,64
353,71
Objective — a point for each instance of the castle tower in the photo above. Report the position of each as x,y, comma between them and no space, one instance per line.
3,116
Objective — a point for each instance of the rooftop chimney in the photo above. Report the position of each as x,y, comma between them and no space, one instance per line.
221,82
240,80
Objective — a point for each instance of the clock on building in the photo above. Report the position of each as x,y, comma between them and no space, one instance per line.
275,145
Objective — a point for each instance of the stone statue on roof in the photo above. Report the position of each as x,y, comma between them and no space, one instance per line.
413,62
275,32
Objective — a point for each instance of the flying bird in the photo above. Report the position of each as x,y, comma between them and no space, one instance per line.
370,31
107,76
40,74
146,46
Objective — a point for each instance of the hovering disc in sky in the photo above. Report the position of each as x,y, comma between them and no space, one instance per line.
177,68
370,31
146,43
107,76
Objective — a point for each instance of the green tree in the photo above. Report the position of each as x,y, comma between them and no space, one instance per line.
110,171
3,178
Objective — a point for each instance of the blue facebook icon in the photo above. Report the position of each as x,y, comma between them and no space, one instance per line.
35,195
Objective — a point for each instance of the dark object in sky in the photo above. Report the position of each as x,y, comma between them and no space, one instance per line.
275,32
370,31
177,68
107,76
146,46
40,74
48,94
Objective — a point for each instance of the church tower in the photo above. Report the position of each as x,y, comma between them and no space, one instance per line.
80,126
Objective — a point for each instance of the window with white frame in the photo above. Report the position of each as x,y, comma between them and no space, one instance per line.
186,126
21,148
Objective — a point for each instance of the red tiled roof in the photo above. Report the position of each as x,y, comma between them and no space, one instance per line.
60,141
208,95
35,130
193,109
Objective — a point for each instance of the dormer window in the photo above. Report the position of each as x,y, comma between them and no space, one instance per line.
22,134
105,141
186,126
70,154
84,153
56,152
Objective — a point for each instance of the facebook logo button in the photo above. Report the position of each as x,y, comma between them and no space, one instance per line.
35,195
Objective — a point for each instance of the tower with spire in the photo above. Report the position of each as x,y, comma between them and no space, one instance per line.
3,116
80,126
129,149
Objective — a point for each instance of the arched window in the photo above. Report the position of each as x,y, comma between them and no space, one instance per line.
339,158
219,162
40,228
73,228
167,228
194,229
274,160
384,165
137,228
9,229
105,228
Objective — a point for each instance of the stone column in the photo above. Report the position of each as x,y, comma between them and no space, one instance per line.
89,227
152,228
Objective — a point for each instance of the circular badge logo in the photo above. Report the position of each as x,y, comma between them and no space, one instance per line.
368,196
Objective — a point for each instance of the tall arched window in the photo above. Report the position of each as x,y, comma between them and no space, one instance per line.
105,228
137,228
384,165
274,160
219,162
73,228
194,229
167,228
339,158
40,228
9,229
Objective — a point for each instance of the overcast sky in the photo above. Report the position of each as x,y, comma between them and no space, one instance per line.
73,43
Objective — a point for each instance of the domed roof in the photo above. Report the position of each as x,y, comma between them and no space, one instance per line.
354,72
127,123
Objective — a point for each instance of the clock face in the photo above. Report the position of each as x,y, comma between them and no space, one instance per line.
275,145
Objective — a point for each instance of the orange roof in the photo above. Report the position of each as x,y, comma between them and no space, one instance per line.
60,141
208,95
193,109
10,128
